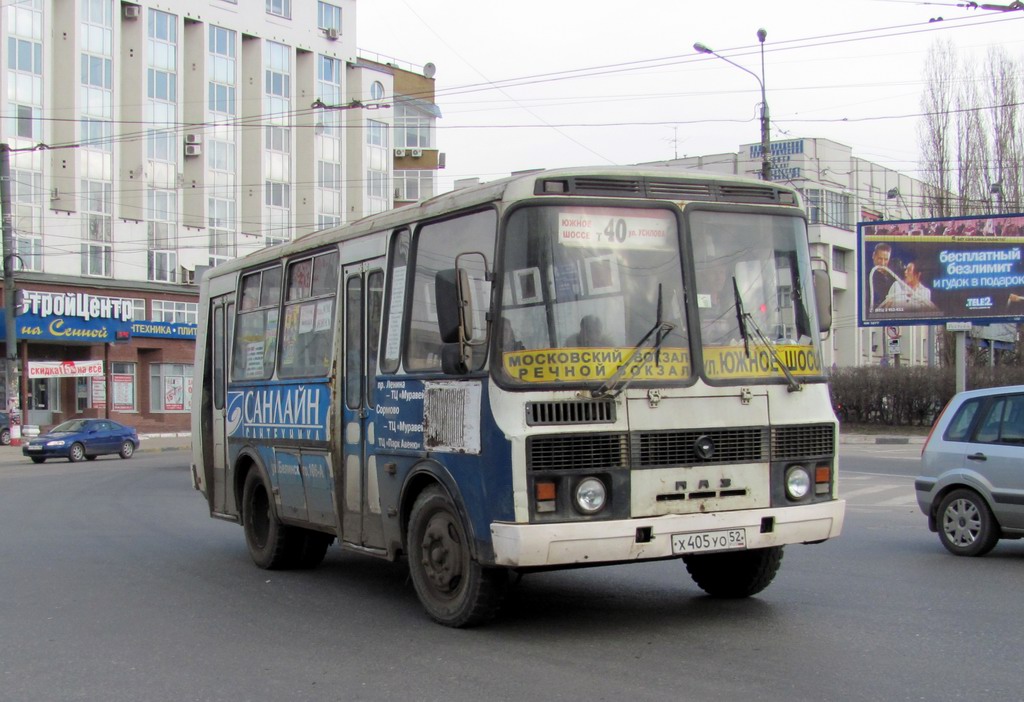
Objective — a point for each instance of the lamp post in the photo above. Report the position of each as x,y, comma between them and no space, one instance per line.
766,161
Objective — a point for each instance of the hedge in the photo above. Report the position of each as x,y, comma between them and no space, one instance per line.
906,396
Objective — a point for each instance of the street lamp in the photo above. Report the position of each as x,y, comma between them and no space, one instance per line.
766,162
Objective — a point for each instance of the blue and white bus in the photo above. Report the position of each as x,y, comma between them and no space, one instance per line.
566,368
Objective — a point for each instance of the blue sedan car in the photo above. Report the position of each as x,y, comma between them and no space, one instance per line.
78,439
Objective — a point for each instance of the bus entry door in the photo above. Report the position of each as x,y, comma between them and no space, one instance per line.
362,523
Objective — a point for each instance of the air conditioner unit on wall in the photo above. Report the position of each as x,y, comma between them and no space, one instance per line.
416,153
332,33
193,138
399,153
193,149
132,11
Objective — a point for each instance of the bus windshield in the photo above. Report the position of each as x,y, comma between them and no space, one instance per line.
753,301
591,291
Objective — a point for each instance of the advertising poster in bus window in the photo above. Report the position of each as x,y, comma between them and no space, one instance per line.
930,271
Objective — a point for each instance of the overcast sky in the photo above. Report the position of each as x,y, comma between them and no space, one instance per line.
516,82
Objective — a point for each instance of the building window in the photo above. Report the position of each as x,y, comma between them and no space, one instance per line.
122,376
280,8
24,24
411,186
328,16
97,251
162,215
277,155
174,312
221,227
170,387
412,128
829,208
26,193
838,260
376,90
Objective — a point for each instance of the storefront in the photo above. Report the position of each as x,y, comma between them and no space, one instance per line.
120,351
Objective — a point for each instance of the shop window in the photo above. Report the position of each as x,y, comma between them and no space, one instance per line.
170,388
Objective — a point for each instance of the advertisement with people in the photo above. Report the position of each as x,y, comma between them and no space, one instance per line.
931,271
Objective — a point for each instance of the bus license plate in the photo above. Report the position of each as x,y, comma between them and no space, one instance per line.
703,541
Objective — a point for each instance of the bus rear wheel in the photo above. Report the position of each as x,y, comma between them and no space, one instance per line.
271,543
735,574
453,588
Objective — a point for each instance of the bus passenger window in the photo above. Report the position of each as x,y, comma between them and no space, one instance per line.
308,326
437,246
255,340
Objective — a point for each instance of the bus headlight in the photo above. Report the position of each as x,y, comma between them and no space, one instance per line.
591,495
798,482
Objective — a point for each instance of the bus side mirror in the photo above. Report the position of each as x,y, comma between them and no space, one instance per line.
446,294
823,299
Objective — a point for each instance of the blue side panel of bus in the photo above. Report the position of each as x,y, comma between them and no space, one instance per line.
286,422
481,481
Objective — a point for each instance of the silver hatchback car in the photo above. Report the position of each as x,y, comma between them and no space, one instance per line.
971,485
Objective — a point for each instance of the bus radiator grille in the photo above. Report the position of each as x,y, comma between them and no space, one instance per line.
577,452
656,449
555,413
803,441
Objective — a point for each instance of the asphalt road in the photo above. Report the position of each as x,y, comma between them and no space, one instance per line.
116,585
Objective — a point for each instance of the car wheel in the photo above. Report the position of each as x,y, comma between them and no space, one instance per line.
77,452
5,437
966,524
37,459
735,574
272,545
452,586
127,450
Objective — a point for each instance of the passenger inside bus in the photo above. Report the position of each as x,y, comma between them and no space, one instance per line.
591,333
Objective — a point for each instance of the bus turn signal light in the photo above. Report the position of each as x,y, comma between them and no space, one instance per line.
545,494
822,479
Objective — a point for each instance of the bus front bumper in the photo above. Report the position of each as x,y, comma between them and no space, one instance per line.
639,539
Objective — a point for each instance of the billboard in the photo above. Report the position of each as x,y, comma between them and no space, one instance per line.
933,271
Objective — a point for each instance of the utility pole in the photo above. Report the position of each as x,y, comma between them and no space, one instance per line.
11,357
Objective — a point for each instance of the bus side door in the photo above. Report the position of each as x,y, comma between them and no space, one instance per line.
362,523
222,311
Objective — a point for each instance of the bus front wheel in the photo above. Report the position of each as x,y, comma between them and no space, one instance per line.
453,588
735,574
269,541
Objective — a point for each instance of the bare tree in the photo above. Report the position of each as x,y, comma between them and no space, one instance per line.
1003,81
936,130
972,151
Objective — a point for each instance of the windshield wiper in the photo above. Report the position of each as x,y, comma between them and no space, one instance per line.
743,317
611,387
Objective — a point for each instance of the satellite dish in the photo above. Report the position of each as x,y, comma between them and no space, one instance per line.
429,70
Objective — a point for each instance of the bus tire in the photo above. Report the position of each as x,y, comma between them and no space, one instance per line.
271,543
735,574
311,548
454,589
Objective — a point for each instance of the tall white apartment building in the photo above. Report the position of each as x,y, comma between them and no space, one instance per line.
151,139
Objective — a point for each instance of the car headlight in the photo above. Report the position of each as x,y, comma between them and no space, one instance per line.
591,496
798,482
55,442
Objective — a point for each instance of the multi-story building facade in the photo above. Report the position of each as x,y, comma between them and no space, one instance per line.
151,140
839,190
